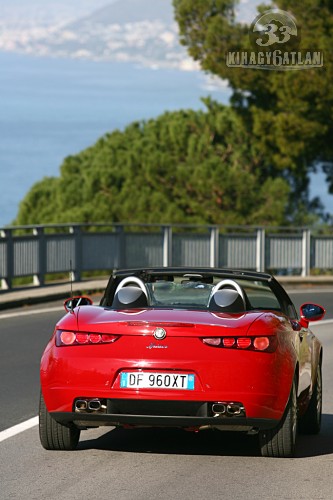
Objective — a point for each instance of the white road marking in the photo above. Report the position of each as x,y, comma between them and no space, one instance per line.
34,311
28,313
17,429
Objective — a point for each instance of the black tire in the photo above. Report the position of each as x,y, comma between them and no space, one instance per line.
280,442
55,436
310,422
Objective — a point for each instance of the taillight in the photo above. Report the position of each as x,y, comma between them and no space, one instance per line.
215,341
261,343
267,344
228,342
81,338
95,338
66,338
244,342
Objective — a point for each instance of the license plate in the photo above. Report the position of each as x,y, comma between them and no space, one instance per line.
147,380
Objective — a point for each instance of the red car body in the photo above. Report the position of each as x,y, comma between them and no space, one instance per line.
255,368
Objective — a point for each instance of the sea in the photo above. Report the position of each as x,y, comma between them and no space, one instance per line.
52,108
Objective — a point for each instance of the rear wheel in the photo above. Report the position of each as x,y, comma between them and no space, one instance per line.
310,422
280,442
55,436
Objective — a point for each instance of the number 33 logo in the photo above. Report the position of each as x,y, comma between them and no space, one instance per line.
273,27
274,34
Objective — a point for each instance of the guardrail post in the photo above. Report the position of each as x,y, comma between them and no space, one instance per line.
167,246
306,249
77,270
214,247
39,278
6,283
260,250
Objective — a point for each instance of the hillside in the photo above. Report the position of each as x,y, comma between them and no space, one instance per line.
129,11
139,31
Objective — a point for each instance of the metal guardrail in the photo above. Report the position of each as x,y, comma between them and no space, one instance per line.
38,251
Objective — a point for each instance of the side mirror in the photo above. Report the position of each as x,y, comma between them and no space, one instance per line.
73,302
311,312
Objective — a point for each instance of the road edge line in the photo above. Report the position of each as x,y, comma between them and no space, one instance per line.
29,313
17,429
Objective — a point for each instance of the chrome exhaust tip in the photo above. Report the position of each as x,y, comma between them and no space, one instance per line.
227,409
219,409
94,405
90,405
234,409
81,405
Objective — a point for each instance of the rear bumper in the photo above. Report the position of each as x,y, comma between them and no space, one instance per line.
159,413
229,424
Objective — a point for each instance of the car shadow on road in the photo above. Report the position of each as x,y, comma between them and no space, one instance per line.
174,442
216,443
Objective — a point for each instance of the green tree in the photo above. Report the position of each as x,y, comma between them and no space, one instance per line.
289,113
183,167
40,203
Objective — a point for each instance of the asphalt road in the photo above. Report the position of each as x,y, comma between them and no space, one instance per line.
148,464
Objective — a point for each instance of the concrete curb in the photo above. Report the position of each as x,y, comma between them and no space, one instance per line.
30,296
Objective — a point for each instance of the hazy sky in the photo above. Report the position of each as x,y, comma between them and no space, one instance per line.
48,10
73,4
70,8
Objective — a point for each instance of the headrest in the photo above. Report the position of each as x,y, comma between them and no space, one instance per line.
226,300
129,297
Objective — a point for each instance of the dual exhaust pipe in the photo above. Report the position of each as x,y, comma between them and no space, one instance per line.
90,406
228,409
220,409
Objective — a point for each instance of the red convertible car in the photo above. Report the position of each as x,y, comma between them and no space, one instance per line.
187,348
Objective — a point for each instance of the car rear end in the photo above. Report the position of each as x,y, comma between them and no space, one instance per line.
189,369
